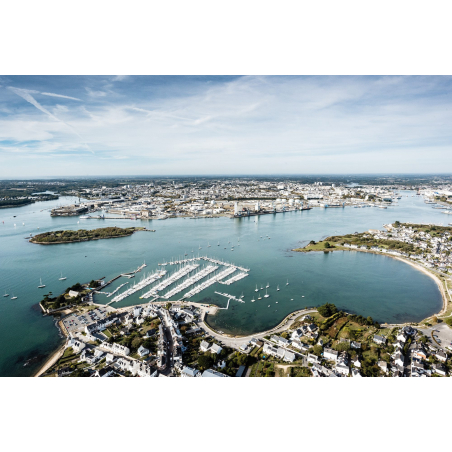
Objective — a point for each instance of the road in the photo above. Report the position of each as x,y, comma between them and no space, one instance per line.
236,341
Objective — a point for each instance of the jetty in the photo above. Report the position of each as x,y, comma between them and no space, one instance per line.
171,280
231,297
234,278
209,282
146,281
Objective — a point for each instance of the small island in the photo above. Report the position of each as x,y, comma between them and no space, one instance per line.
82,235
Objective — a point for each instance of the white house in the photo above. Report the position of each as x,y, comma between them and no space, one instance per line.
441,356
189,372
439,369
342,368
313,359
117,349
380,340
356,362
142,351
76,345
297,334
204,346
330,354
215,349
213,373
399,359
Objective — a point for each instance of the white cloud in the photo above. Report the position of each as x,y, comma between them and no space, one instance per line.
93,93
120,78
25,94
260,125
61,96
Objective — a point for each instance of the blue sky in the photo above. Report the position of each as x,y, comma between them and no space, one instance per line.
157,125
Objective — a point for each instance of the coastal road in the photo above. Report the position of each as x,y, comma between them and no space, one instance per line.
237,341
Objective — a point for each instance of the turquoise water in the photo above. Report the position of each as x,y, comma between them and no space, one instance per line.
384,288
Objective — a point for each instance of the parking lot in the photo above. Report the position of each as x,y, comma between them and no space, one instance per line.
441,332
77,322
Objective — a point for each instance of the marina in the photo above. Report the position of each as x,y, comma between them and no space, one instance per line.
146,281
356,282
176,276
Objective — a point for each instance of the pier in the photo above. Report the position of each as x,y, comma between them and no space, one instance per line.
170,280
233,279
116,290
209,282
231,297
141,285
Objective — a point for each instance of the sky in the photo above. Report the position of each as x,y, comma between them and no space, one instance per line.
54,126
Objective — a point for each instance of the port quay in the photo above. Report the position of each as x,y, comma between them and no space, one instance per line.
192,275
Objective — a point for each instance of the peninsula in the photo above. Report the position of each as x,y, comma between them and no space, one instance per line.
82,235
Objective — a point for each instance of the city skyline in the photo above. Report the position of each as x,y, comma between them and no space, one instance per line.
54,126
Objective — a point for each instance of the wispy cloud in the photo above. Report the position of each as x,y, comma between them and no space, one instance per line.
243,124
94,93
61,96
26,95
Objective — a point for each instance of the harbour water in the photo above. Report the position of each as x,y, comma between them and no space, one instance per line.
384,288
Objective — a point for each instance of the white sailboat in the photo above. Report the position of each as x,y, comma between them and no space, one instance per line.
256,290
6,294
40,284
259,297
277,287
218,244
267,286
62,277
287,283
253,300
266,294
13,297
208,245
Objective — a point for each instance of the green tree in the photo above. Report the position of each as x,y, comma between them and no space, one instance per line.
317,350
136,342
327,310
205,361
327,245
